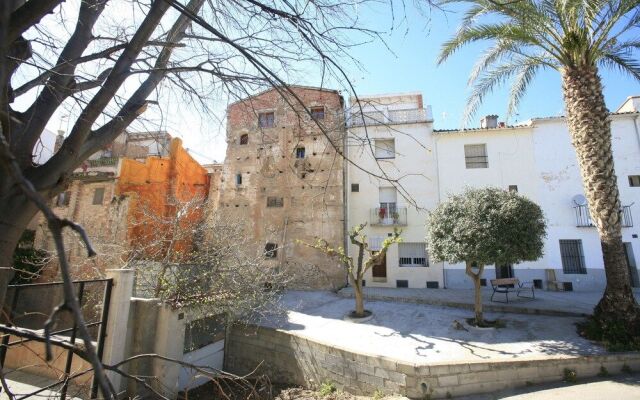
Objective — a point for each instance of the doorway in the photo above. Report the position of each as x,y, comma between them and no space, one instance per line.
631,263
504,271
379,270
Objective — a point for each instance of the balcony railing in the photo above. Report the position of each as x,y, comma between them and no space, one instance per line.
583,218
390,117
382,217
103,161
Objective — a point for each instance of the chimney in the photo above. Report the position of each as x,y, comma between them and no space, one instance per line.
59,140
489,122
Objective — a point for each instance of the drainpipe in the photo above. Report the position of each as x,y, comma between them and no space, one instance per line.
345,198
437,160
635,127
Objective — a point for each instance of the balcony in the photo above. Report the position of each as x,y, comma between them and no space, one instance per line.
103,161
583,219
382,217
390,117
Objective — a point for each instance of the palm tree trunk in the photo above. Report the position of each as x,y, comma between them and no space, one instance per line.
590,130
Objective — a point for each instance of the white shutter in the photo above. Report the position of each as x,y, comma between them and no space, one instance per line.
412,255
375,243
388,195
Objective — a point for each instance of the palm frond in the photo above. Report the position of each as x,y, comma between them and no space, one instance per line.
520,85
623,62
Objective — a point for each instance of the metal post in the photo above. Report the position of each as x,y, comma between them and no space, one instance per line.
5,338
102,334
67,367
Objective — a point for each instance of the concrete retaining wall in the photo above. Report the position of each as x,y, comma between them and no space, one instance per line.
287,358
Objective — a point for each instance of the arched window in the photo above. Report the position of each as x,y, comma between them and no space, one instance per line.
244,138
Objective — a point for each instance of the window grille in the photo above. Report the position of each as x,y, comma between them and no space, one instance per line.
572,257
275,201
413,254
300,152
355,187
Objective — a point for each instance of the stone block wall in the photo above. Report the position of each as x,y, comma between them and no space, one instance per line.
288,358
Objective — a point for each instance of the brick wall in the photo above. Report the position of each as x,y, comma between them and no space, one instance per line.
311,188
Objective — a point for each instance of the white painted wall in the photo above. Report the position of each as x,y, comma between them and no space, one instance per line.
537,156
415,165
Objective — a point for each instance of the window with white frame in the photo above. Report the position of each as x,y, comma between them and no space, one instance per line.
475,156
388,198
413,254
385,148
375,243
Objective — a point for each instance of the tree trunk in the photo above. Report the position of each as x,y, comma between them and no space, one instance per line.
359,297
478,292
590,130
15,214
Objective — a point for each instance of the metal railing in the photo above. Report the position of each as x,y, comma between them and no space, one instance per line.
384,217
583,218
103,161
31,315
389,117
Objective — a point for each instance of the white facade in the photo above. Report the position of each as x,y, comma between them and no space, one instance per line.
536,159
395,145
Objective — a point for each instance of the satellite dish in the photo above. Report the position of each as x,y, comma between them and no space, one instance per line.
579,200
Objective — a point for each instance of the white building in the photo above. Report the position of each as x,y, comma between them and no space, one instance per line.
535,158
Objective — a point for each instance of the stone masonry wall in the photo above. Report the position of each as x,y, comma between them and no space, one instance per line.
308,187
287,358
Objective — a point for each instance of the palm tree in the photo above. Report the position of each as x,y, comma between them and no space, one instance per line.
575,38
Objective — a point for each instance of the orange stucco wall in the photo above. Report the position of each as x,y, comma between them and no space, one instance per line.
155,186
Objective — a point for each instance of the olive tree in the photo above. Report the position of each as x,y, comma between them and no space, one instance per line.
357,270
485,226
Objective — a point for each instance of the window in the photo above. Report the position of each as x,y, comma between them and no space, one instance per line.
385,148
63,199
413,255
634,180
475,156
266,120
300,152
513,188
275,201
317,112
355,187
238,179
270,250
98,196
432,284
572,257
402,283
388,198
244,138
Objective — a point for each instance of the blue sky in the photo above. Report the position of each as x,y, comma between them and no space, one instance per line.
413,68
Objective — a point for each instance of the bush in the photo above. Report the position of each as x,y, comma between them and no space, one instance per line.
614,335
326,388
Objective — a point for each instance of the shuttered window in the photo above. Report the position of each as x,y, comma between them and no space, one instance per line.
572,257
413,255
475,156
375,243
266,120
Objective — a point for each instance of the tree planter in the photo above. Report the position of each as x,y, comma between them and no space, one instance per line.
486,325
352,317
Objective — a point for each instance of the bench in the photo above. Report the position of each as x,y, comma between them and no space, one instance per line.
510,285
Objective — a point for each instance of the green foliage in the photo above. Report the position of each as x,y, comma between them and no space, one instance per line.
569,375
487,226
378,395
326,388
27,261
613,334
530,35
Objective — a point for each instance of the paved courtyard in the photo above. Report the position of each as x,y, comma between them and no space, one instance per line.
424,334
545,302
